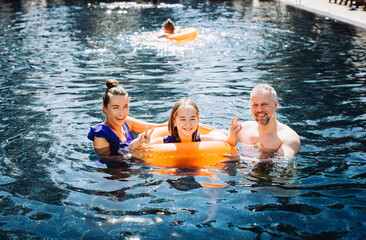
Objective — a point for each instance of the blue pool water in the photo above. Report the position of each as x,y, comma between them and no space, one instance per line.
55,58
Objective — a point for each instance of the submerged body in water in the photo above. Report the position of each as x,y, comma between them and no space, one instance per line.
55,59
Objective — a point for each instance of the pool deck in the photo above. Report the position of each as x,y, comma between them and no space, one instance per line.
333,10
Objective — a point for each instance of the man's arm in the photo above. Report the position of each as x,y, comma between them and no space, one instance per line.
291,144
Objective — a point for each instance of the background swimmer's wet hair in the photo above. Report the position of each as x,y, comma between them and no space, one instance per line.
265,87
169,25
113,88
184,102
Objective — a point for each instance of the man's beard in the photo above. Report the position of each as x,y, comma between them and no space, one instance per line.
262,122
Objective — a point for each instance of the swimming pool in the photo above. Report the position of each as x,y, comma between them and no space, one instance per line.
55,58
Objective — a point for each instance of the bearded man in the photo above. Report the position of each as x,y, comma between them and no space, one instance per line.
266,132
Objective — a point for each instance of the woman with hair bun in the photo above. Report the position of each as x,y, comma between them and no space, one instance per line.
113,136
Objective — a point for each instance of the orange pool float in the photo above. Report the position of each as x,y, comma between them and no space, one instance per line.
186,34
187,155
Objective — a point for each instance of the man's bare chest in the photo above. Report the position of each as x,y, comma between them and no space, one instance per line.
269,141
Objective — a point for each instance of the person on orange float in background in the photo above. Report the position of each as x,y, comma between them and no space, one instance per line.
169,28
183,127
266,132
113,136
155,2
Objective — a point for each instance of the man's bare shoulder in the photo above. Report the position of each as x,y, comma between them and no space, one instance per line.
285,131
249,124
248,129
289,137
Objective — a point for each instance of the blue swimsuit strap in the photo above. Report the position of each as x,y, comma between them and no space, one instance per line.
170,139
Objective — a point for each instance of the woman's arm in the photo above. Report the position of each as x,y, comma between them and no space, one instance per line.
138,126
205,128
101,147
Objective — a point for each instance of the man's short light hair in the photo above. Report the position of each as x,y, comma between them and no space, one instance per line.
265,87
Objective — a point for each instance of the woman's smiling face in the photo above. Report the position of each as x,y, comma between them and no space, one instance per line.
117,110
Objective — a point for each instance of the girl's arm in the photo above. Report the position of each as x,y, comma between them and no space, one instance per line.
177,29
137,143
235,128
157,140
162,34
142,138
138,126
217,135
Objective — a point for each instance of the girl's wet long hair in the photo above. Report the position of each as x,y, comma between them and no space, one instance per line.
113,88
173,131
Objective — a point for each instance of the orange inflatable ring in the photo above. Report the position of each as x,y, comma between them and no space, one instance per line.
186,34
188,155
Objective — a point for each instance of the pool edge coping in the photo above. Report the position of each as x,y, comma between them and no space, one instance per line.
320,12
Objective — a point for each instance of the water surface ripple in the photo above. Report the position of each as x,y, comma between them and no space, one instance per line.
55,57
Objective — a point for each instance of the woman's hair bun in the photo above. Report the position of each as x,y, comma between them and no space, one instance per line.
111,83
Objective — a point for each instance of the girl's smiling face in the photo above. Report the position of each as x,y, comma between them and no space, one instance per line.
117,110
186,122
